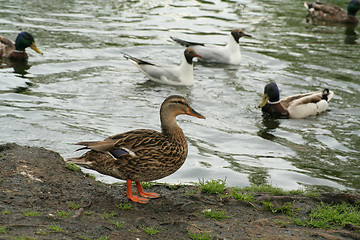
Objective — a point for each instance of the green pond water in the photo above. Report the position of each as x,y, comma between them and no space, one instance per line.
82,88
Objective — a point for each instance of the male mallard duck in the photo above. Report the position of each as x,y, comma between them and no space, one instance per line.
228,54
17,51
333,13
168,74
297,106
143,154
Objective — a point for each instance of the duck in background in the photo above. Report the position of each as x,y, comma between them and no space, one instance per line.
296,106
168,74
228,54
332,13
16,51
143,154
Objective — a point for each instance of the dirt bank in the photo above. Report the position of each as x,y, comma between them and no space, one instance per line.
69,205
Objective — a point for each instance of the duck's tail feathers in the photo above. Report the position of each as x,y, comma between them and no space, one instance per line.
135,60
185,43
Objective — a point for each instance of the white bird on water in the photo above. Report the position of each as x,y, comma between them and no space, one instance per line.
168,74
228,54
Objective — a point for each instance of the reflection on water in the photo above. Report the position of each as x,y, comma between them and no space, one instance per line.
83,89
270,124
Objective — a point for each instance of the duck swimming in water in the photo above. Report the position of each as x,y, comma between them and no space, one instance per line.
296,106
332,13
16,51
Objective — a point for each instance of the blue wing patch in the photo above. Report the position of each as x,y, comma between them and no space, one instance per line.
118,152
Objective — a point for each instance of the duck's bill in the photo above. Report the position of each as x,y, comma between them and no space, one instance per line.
247,35
194,113
34,47
263,101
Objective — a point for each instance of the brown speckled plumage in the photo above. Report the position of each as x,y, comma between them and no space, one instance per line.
145,154
332,13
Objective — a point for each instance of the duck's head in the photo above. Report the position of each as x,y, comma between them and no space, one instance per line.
24,40
238,33
190,54
353,7
175,105
271,94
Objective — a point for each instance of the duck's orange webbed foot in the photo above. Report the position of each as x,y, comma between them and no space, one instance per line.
132,197
138,199
141,192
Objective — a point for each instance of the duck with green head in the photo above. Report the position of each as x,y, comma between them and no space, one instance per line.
296,106
16,51
332,13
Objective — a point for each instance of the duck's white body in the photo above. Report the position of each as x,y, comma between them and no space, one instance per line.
305,106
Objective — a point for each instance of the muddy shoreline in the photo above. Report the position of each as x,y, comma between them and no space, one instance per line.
42,199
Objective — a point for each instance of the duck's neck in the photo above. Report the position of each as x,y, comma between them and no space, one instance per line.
171,129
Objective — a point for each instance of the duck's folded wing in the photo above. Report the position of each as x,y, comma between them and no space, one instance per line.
328,8
308,104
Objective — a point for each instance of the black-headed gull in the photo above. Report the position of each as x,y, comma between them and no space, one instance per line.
168,74
228,54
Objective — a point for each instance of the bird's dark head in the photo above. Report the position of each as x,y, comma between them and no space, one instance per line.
271,94
353,7
238,33
24,40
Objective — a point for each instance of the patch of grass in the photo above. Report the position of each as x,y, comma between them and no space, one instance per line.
124,206
118,225
103,238
150,230
55,227
30,213
62,214
332,216
265,188
24,238
212,186
88,212
215,214
148,185
287,208
281,223
6,212
90,176
74,206
109,216
199,236
72,167
175,186
3,229
245,197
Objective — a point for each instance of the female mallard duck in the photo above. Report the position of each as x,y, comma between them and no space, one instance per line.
297,106
333,13
143,154
17,51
